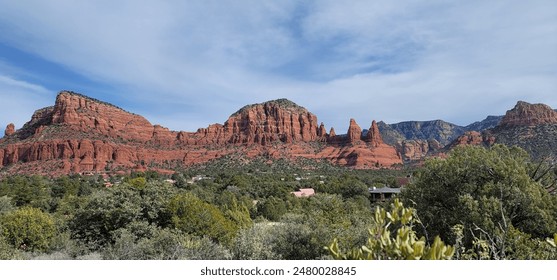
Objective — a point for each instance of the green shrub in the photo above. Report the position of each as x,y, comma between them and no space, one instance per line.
28,229
193,216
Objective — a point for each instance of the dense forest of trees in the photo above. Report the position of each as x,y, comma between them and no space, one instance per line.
475,204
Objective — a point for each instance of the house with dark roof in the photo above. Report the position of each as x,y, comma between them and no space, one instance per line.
384,193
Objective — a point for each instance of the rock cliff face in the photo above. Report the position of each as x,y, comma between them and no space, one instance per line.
473,138
532,127
274,121
415,140
278,120
415,150
439,130
526,114
88,115
81,134
373,135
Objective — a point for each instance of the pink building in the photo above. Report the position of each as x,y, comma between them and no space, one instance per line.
304,192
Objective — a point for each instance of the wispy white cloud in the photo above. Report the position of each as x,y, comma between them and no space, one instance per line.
188,64
19,100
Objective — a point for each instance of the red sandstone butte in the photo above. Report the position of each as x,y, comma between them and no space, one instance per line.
81,134
354,132
526,114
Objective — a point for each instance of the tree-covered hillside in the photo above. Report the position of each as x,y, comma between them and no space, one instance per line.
476,204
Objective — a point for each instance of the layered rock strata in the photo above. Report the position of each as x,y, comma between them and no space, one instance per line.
81,134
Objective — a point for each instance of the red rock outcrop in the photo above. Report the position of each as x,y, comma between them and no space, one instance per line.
473,138
526,114
354,133
265,123
332,133
10,130
361,156
322,132
415,150
279,120
81,134
92,116
373,135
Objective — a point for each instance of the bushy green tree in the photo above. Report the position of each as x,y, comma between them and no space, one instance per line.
144,241
31,191
154,198
65,185
28,229
139,182
203,248
256,242
297,241
272,208
334,216
104,211
7,251
304,232
194,216
487,191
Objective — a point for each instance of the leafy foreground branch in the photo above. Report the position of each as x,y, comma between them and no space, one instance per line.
392,237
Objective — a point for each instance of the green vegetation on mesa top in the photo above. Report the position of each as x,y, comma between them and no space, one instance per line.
281,103
476,204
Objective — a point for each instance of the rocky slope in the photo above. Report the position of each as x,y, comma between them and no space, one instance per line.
439,130
532,127
488,123
414,140
473,138
526,114
416,150
81,134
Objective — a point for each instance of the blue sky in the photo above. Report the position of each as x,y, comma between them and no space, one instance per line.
188,64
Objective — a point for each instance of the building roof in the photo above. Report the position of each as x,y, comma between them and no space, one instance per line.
384,190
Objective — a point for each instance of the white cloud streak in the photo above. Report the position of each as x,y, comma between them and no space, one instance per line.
19,100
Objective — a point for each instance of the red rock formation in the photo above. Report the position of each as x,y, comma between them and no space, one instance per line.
322,132
373,135
413,149
332,133
434,145
81,134
473,138
354,133
526,114
360,156
10,130
279,120
265,123
416,150
88,115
